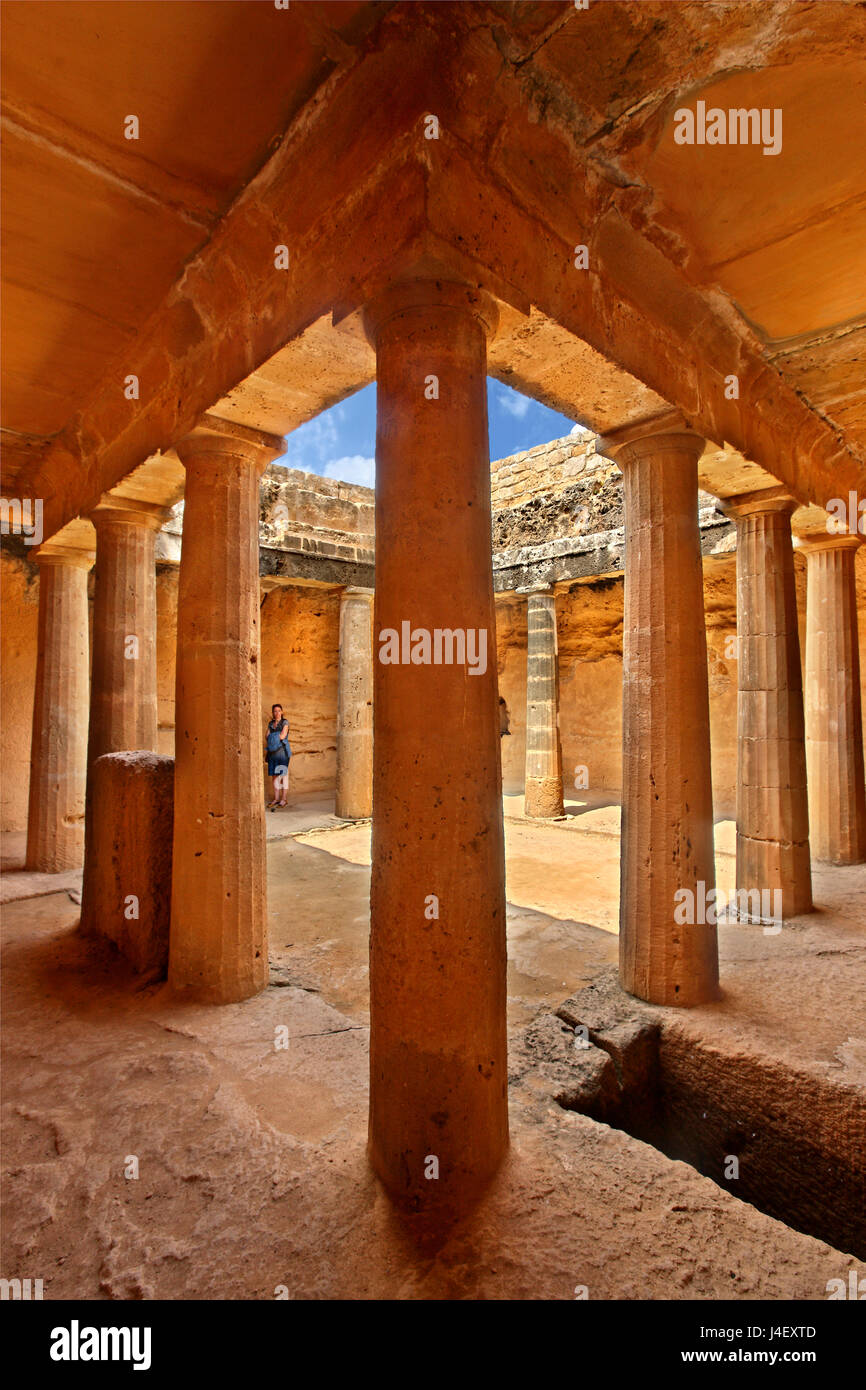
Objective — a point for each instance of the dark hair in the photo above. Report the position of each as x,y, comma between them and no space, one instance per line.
273,707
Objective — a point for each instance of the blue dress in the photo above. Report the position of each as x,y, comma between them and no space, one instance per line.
279,750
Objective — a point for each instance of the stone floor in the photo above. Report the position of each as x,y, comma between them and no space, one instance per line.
251,1163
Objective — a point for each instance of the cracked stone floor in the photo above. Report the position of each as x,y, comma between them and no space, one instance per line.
252,1171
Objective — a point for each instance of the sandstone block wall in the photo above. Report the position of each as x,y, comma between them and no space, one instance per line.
133,815
589,624
293,501
300,644
300,630
545,470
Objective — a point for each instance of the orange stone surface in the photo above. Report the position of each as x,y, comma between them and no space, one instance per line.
438,1073
219,944
667,803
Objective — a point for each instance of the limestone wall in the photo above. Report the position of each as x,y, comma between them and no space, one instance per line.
300,642
545,470
292,501
300,635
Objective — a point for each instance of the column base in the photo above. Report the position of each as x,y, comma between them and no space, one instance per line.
543,798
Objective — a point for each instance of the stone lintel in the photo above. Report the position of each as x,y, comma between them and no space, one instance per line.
297,567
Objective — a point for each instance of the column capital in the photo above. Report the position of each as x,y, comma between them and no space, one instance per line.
130,511
423,293
52,553
224,438
530,589
356,591
665,431
762,503
818,541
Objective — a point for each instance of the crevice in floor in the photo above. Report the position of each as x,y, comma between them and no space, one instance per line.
787,1141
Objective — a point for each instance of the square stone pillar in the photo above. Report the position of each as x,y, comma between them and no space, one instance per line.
772,803
667,851
218,950
58,749
834,717
438,1073
132,831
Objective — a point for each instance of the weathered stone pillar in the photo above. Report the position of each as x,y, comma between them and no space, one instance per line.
218,948
123,713
58,750
834,719
543,782
667,856
123,708
772,803
354,799
438,1097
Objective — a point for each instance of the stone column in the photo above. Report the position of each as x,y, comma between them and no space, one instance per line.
354,799
772,809
834,720
543,782
123,708
438,1082
58,750
123,713
218,950
667,857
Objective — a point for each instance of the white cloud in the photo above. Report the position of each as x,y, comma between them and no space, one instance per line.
310,445
352,468
514,403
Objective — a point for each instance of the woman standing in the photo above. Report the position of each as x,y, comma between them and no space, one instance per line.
278,751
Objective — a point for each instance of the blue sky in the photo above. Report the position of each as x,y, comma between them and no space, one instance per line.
341,442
